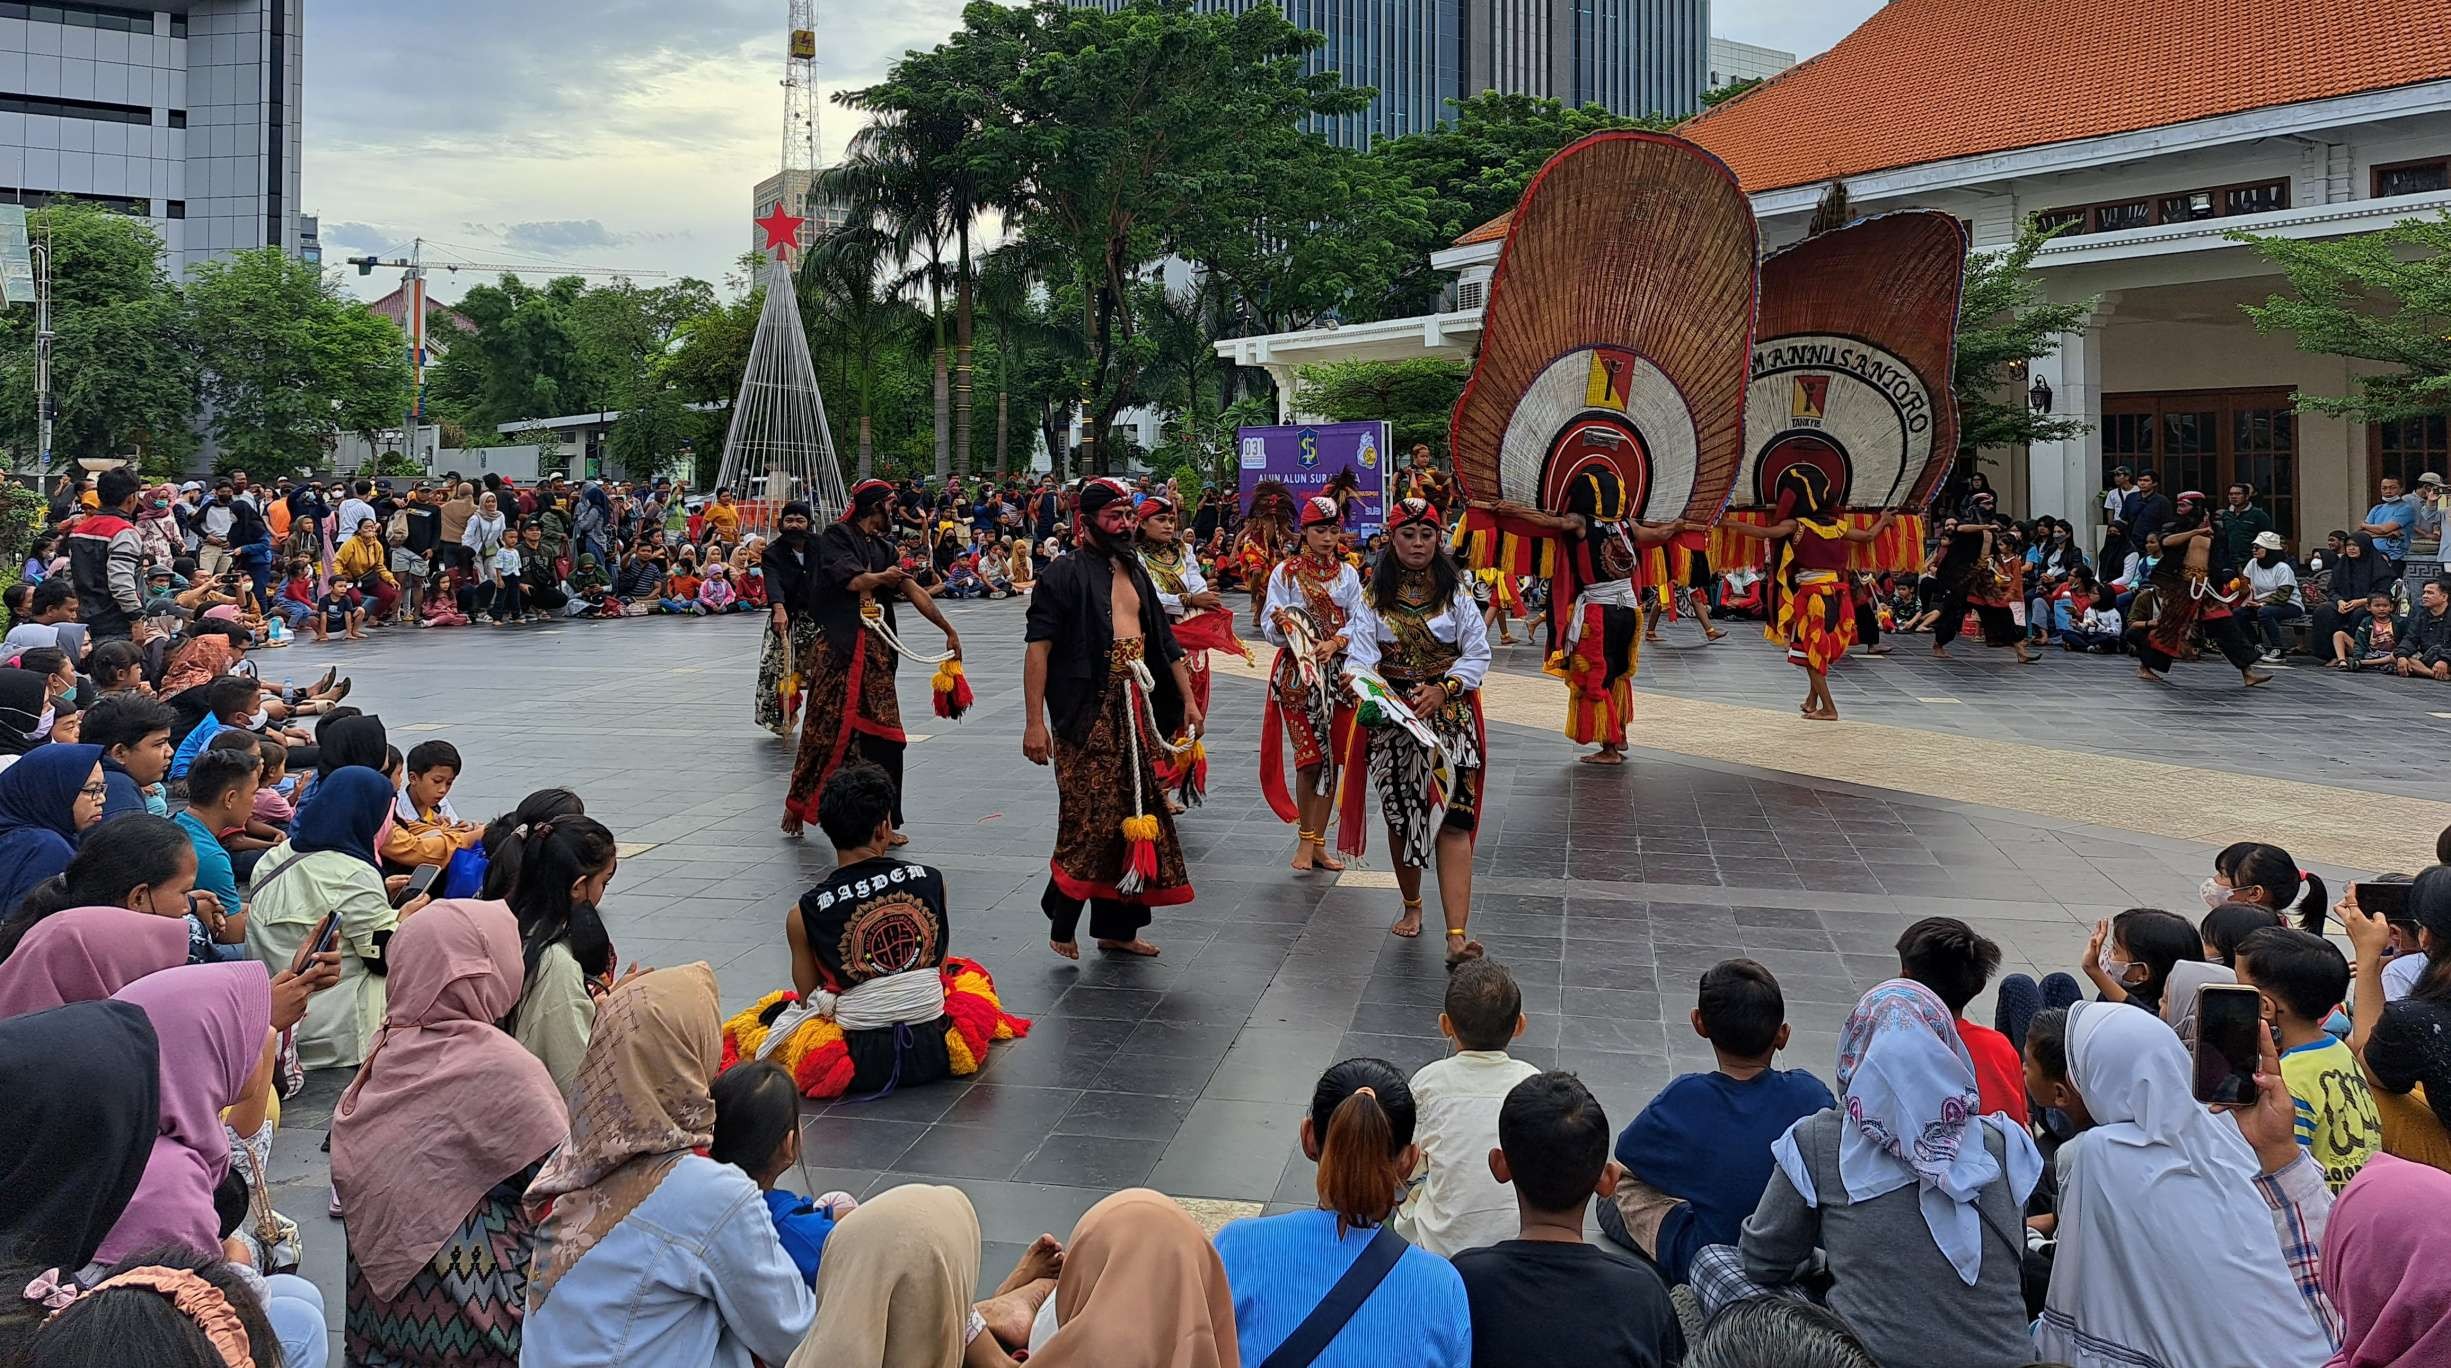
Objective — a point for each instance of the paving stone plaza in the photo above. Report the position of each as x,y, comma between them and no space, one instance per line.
2029,802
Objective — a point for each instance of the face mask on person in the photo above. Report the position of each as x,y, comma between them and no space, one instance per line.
2213,891
256,721
2113,967
43,728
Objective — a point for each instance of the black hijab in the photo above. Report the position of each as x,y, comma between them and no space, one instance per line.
2355,577
346,741
23,696
84,1089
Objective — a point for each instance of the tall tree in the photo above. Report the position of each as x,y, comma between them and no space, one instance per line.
124,360
291,362
2380,296
1416,398
855,315
897,173
2004,320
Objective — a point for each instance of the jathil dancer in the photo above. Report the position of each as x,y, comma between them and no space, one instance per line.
1312,597
1198,616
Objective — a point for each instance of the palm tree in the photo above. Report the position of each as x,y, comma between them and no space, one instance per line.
849,293
893,180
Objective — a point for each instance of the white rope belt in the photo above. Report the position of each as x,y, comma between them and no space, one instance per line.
914,997
1617,593
874,617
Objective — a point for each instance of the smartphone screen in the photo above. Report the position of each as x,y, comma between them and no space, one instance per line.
2229,1041
2386,900
421,880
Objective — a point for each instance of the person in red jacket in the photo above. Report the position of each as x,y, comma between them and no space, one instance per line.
106,561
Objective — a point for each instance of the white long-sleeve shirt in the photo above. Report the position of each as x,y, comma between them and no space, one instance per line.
1459,624
1193,583
1284,592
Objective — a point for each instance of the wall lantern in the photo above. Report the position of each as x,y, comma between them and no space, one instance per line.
2040,395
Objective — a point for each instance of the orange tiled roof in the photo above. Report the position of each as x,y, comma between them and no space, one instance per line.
1488,232
1928,80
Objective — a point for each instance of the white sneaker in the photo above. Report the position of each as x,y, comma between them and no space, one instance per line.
2270,657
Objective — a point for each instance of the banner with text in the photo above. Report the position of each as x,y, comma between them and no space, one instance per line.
1308,455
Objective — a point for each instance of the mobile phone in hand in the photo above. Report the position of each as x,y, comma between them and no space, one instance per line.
326,935
2386,900
421,880
2229,1042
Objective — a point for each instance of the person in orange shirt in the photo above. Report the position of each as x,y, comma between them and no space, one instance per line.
1954,961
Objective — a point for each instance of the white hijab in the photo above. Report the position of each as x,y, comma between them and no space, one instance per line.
2167,1255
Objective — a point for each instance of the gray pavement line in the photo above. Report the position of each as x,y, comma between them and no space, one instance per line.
2323,822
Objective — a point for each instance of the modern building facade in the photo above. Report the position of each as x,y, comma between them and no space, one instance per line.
789,190
185,112
1732,61
1633,56
2303,119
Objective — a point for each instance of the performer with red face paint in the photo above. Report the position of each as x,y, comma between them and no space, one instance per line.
1108,699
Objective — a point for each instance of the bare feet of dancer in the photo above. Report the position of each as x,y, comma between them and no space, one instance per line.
1461,947
900,839
1070,950
1606,755
1409,925
2252,678
1710,633
1134,946
2149,676
791,824
1311,852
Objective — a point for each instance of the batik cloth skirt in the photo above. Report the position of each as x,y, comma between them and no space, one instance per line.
1597,661
1422,793
464,1308
1111,773
772,666
827,1061
1818,622
850,713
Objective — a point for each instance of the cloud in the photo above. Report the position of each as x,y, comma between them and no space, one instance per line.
561,235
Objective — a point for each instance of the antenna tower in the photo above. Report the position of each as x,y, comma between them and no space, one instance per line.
800,103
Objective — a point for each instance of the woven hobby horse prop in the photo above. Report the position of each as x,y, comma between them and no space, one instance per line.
1605,413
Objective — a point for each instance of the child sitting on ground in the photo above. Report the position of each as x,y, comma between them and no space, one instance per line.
272,806
1948,957
2303,977
757,1130
448,605
229,701
338,610
424,829
297,601
2375,643
1698,1157
1546,1298
681,586
1455,1204
715,593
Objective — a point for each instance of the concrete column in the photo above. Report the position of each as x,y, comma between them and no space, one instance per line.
1289,386
2064,478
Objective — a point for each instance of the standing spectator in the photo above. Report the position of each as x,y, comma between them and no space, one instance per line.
251,540
456,511
723,516
482,539
2425,648
106,562
2238,524
2152,511
2118,501
2389,522
412,557
214,516
358,505
2425,544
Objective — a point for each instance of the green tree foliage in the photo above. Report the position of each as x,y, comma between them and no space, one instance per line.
2381,296
125,364
2003,321
1719,95
290,362
1469,170
860,332
1416,398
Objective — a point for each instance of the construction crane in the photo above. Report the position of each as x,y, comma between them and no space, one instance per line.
413,311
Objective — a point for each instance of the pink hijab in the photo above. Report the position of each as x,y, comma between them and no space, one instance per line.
2387,1266
446,1105
211,1020
85,954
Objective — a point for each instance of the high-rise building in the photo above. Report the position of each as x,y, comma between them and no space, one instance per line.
790,190
1633,56
181,111
1732,61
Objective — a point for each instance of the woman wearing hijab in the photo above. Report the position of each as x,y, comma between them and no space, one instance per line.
84,1108
648,1252
216,646
328,866
433,1147
2360,571
1915,1198
213,1022
895,1288
1142,1287
2166,1252
2387,1266
46,800
85,955
791,629
341,741
25,713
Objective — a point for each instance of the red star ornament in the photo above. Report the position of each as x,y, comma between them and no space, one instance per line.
782,230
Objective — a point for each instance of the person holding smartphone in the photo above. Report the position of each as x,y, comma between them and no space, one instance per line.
2397,1041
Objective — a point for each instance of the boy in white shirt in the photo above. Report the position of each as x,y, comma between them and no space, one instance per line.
2097,629
1455,1204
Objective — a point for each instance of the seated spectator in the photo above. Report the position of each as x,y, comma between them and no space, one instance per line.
1909,1199
1454,1203
1141,1287
1698,1156
364,565
716,595
1359,1130
118,667
2222,929
639,585
2261,875
2374,644
2097,625
552,875
2387,1266
1546,1297
424,829
229,701
1948,957
159,1308
220,798
2131,955
339,608
26,714
2348,597
2424,643
56,956
647,1251
589,589
2303,978
214,1022
133,731
2272,594
272,806
2399,1041
433,1147
47,800
2167,1251
53,622
328,868
757,1130
681,587
1778,1332
897,1282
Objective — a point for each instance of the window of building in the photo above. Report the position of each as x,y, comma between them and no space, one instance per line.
178,26
178,118
2185,206
2407,448
2206,439
80,16
75,109
35,199
2412,178
177,209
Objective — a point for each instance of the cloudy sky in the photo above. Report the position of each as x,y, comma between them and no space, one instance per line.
625,133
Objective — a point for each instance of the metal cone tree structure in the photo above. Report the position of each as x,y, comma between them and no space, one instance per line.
779,435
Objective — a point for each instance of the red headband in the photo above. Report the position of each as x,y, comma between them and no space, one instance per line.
851,505
1319,508
1406,512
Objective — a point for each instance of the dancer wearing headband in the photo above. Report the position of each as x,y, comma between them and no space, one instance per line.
1312,596
851,710
1418,630
1812,604
1195,613
1107,698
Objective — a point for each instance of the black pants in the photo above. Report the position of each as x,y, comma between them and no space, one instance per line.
1109,918
1952,618
1867,624
2327,619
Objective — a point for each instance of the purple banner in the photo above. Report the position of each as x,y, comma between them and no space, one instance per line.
1308,455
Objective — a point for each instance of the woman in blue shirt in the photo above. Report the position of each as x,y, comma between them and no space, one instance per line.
1360,1133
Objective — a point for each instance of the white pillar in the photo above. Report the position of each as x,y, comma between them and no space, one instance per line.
1289,384
2064,478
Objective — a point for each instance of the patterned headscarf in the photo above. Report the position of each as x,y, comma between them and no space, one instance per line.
640,1104
865,498
1406,512
1319,508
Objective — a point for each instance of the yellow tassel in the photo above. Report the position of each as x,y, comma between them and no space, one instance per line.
1140,828
946,673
